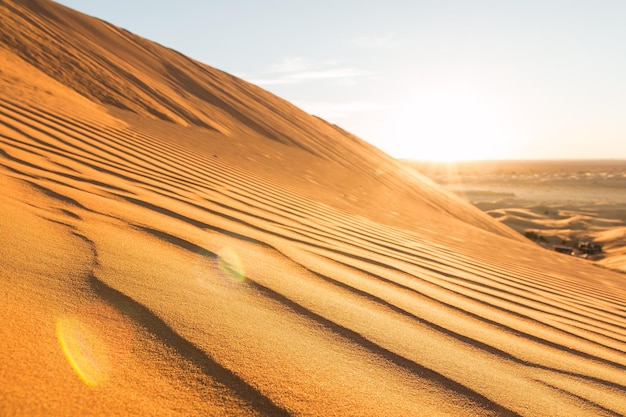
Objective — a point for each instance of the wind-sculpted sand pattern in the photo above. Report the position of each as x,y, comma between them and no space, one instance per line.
155,268
232,294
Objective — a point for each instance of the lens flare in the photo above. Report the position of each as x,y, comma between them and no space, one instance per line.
96,340
230,265
84,350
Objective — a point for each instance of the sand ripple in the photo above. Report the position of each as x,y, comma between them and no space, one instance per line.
154,268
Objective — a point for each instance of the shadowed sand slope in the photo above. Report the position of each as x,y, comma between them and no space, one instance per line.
165,253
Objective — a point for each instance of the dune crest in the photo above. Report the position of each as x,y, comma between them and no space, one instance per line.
175,241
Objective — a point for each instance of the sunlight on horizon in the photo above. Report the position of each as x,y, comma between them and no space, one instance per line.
453,125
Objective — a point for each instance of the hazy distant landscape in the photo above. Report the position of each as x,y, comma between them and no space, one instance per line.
558,203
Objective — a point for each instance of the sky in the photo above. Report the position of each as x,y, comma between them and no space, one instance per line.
424,80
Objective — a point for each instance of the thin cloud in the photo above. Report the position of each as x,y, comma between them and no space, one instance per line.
340,110
291,64
375,41
301,70
329,74
272,81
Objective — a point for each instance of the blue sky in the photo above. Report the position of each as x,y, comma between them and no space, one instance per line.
419,79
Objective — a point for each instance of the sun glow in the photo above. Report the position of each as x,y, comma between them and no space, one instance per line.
452,125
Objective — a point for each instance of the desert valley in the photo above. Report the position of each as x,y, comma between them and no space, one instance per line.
176,241
559,204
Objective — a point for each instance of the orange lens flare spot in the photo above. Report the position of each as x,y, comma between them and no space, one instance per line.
94,340
84,350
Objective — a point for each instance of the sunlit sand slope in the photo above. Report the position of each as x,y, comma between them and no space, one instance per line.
111,66
155,267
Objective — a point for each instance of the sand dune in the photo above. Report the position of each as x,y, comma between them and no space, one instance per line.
560,202
175,241
602,224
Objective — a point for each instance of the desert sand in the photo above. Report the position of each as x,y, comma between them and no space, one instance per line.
559,203
176,241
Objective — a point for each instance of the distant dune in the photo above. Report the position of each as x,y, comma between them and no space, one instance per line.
562,202
176,241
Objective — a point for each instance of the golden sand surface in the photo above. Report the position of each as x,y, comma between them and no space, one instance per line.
175,241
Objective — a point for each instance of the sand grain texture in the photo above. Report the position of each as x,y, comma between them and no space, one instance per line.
175,241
